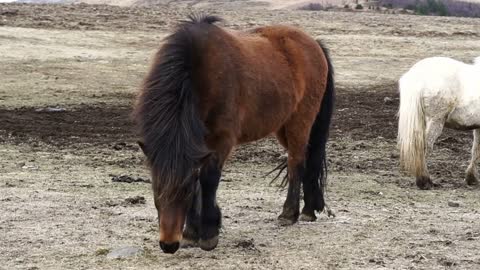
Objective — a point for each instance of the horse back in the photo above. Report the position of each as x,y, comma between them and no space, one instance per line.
255,81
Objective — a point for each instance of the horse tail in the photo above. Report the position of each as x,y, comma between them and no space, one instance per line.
167,112
317,148
411,127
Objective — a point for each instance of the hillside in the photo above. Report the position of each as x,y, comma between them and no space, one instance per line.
274,4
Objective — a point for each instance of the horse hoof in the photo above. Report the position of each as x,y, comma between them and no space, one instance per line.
308,218
471,179
208,244
188,243
424,183
285,221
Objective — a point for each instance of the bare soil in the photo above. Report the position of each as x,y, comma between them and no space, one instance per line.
69,75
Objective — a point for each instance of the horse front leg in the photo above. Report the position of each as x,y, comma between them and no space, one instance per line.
191,233
210,173
472,173
210,220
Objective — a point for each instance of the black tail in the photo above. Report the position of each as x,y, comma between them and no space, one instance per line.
172,133
316,164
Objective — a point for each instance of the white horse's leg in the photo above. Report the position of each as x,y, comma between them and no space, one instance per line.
472,173
434,129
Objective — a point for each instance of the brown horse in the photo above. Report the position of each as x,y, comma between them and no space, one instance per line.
210,89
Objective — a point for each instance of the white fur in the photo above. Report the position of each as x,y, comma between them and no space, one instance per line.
435,92
476,61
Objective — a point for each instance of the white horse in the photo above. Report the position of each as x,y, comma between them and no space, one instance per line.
434,93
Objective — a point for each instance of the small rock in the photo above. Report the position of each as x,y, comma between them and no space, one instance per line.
51,109
388,100
330,213
124,252
29,167
102,251
453,204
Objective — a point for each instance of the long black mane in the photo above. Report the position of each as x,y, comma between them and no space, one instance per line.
166,112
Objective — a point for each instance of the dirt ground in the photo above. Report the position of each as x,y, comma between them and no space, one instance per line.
68,77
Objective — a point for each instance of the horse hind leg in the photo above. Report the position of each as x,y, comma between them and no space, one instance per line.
312,191
434,130
472,173
296,137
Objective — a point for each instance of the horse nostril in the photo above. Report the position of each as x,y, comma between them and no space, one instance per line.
169,247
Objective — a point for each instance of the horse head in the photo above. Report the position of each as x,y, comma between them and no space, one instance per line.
173,192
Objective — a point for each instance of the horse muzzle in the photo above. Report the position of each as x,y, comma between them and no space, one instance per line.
169,248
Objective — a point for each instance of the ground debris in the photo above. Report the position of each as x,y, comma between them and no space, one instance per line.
124,252
377,261
51,109
12,12
126,202
124,146
453,204
119,146
135,200
447,262
129,179
388,101
246,244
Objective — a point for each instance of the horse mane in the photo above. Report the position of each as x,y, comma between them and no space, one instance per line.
167,115
196,18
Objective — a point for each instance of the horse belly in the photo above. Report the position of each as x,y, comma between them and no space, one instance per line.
266,116
465,117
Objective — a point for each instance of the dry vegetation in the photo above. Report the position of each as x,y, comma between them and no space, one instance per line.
68,75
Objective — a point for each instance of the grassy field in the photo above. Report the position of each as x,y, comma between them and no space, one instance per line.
61,210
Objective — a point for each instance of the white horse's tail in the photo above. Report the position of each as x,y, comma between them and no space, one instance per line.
411,127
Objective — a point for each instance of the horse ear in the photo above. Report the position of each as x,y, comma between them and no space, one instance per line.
142,146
